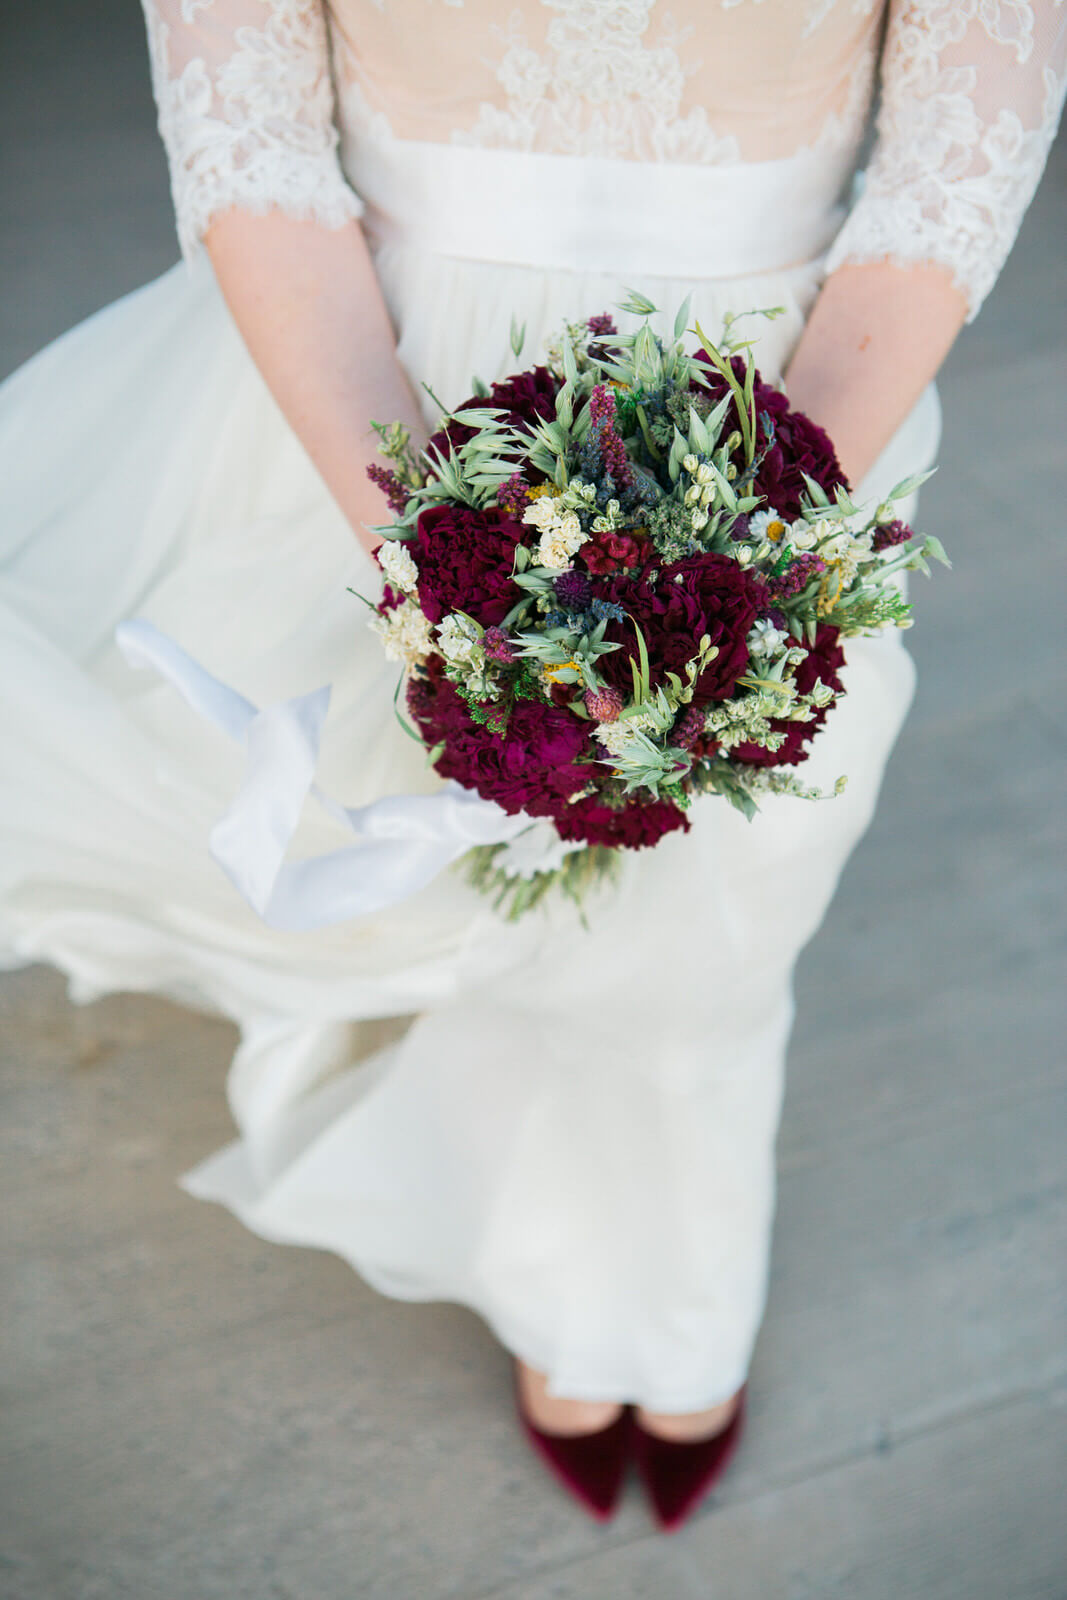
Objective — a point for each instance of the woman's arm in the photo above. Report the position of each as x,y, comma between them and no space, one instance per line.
307,303
246,110
970,99
877,336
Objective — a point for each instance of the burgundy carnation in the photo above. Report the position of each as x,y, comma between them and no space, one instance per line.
633,826
525,396
704,594
464,559
610,550
529,768
800,445
822,662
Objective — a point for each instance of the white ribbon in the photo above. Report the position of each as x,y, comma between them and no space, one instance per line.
406,840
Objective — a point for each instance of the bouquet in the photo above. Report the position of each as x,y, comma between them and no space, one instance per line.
621,579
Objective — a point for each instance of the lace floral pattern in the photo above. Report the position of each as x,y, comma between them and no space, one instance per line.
971,91
954,167
610,83
246,112
600,88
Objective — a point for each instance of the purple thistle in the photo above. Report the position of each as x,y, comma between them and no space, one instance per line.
612,449
889,534
513,495
800,573
573,590
389,484
498,645
602,324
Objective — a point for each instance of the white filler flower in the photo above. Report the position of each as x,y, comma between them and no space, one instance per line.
765,639
618,737
397,565
458,637
405,633
561,532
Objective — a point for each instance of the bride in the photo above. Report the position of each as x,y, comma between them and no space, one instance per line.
569,1131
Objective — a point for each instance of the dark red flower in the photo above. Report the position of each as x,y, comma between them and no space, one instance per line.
688,728
389,484
603,426
799,573
704,594
528,768
823,661
608,551
464,559
888,534
799,444
633,826
525,396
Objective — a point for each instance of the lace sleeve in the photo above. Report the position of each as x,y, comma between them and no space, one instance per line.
246,110
971,92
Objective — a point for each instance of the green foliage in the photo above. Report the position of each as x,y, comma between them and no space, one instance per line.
695,461
579,873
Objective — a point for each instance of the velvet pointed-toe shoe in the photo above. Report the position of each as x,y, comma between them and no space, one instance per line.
590,1466
679,1475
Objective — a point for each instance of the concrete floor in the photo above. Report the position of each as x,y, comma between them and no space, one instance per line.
191,1413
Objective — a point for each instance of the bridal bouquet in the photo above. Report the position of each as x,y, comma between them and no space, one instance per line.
621,579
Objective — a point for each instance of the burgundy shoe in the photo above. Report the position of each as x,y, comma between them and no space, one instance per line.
590,1466
678,1475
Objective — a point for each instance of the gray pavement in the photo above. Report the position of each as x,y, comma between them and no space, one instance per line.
191,1413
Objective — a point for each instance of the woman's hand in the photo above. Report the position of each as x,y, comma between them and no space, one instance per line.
307,302
877,336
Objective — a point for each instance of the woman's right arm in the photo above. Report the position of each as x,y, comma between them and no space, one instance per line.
246,111
307,303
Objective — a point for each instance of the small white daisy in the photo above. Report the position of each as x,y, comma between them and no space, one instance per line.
767,525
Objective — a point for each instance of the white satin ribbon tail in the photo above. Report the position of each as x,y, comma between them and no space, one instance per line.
404,840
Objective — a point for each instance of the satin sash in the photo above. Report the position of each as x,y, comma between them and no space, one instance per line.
594,214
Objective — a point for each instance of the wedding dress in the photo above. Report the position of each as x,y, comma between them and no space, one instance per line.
574,1136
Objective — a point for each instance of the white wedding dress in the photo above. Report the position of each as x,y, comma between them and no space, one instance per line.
574,1136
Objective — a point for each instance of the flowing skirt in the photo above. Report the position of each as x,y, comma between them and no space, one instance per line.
570,1131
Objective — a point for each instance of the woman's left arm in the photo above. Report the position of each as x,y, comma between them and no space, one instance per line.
970,101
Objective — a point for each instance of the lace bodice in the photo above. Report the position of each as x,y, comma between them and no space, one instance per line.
252,94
